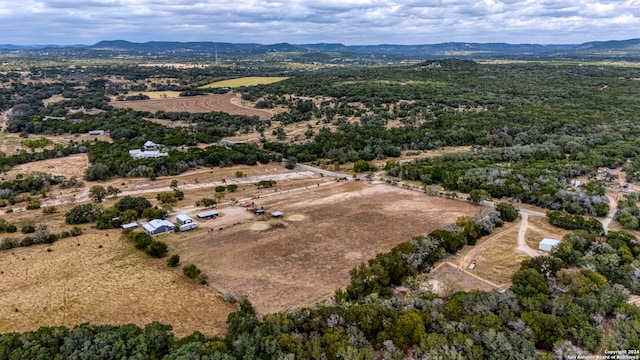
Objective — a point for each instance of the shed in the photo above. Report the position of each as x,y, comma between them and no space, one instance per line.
211,214
130,225
548,244
183,219
157,227
277,213
96,132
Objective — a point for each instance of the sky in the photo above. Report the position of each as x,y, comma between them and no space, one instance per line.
350,22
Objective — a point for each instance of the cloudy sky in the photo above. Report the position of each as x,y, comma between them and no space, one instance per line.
351,22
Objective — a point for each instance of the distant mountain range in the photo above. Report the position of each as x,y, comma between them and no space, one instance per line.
614,49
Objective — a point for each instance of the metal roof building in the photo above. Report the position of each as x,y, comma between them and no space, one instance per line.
548,244
208,214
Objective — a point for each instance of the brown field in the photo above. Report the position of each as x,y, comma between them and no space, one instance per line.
204,103
496,256
461,279
307,254
69,166
100,278
539,228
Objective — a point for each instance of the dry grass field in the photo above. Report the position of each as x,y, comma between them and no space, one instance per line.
496,256
204,103
100,278
244,81
70,166
303,257
462,280
160,94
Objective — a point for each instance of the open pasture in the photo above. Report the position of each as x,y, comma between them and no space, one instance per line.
195,104
303,257
101,278
244,81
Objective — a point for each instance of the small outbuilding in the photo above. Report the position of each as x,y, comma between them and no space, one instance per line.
548,244
130,225
211,214
183,219
96,132
277,214
158,226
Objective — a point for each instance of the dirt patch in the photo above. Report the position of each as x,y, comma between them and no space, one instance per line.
296,217
260,226
496,256
204,103
450,273
101,278
337,226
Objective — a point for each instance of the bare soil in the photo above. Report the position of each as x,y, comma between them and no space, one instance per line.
303,257
455,275
204,103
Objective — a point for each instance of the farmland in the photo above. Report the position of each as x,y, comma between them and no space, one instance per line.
245,81
326,231
202,103
100,278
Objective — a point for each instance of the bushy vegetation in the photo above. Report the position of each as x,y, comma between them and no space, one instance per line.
567,221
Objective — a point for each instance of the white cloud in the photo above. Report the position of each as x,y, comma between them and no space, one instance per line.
296,21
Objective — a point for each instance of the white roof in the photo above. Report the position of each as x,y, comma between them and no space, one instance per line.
130,225
149,143
547,241
156,223
277,213
183,217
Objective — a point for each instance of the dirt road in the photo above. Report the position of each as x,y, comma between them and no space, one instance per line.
522,244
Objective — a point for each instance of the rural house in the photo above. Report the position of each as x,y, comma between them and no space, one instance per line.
157,227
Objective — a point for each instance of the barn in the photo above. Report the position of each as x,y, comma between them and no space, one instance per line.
158,226
211,214
183,219
548,244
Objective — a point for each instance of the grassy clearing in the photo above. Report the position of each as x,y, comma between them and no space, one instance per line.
245,81
160,94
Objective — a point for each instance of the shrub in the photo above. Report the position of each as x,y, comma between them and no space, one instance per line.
220,188
156,249
49,210
141,240
83,214
33,204
8,243
27,241
507,211
28,229
191,271
76,231
173,260
11,228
